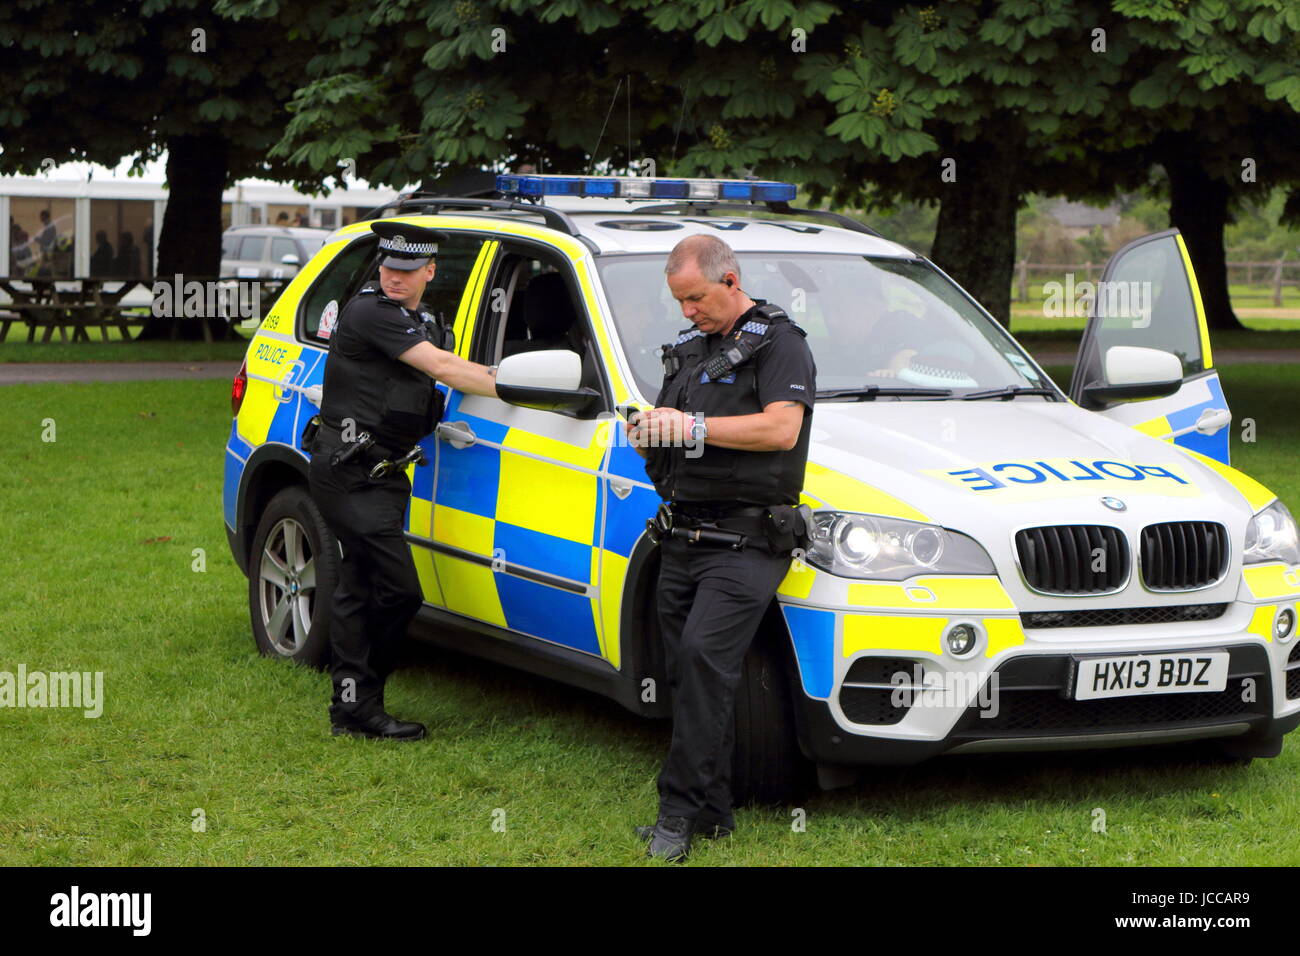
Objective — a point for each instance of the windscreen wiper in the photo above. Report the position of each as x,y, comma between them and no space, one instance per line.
1008,392
868,393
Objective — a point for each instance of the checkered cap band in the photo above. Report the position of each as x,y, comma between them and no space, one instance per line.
399,245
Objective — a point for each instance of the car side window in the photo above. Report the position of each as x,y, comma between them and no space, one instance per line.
250,250
456,257
281,248
457,254
531,305
337,282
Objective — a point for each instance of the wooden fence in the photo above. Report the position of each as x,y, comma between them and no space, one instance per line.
1270,278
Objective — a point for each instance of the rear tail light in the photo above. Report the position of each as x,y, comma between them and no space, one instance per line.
238,387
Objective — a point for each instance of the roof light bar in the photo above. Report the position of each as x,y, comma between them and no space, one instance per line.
639,187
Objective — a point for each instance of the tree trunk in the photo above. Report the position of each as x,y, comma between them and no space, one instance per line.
975,236
190,242
1198,208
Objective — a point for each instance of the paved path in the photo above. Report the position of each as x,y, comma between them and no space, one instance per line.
14,373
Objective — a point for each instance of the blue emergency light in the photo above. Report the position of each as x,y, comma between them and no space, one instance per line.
531,186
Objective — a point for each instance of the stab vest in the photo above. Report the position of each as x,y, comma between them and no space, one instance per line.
395,402
719,379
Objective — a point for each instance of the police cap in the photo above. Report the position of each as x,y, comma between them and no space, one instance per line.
404,246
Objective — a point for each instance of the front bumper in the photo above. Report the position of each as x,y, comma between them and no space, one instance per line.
879,686
1032,710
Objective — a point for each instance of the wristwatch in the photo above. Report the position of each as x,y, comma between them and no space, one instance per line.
699,430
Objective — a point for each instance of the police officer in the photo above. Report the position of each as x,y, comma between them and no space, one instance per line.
379,401
726,448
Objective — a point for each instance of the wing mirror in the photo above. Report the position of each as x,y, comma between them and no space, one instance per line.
1133,374
549,380
290,260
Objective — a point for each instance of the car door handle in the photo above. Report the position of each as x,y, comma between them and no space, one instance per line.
456,434
1210,422
1213,420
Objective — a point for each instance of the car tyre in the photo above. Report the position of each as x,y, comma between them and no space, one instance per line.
767,765
293,570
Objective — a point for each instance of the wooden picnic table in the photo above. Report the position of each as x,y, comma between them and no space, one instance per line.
41,304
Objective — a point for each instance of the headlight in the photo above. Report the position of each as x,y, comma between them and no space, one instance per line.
866,546
1271,536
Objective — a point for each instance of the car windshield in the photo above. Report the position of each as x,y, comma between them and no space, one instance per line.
874,324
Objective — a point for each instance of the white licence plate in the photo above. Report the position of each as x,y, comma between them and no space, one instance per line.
1188,672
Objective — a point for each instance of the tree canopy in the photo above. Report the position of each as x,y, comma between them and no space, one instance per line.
969,104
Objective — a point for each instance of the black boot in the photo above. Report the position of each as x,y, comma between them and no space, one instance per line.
379,726
670,839
708,830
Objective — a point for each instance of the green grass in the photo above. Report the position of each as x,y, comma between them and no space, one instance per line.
99,533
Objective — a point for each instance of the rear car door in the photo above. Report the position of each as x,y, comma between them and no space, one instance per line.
519,500
1148,297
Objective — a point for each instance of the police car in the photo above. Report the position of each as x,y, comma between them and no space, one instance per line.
997,565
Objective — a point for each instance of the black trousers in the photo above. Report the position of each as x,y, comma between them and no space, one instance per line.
378,591
711,601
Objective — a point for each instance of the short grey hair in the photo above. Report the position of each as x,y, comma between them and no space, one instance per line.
713,256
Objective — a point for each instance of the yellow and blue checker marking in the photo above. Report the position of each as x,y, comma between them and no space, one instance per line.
556,530
1212,446
269,414
813,633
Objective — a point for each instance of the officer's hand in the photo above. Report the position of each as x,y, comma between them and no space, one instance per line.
665,426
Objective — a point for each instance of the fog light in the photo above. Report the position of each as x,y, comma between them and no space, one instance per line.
961,640
1284,625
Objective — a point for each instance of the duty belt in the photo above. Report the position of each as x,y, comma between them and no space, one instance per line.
370,451
746,519
731,527
364,450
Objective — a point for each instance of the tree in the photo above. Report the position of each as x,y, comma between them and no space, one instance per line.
970,105
1219,87
105,80
863,104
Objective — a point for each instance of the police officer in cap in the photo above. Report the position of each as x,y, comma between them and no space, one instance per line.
379,401
726,448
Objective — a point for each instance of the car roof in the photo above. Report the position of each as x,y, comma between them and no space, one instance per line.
615,233
623,227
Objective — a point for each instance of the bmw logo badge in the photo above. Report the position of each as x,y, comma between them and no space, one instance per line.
1114,504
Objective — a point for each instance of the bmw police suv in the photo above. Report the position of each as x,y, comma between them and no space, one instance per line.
997,565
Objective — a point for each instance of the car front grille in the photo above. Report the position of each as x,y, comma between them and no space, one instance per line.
875,704
1293,673
1112,617
1073,558
1033,701
1183,555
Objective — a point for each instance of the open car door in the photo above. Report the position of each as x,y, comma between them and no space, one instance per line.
1148,300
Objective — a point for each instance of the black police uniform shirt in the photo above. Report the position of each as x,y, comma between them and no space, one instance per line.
364,380
782,370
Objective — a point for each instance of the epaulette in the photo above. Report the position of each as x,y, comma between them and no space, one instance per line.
371,289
